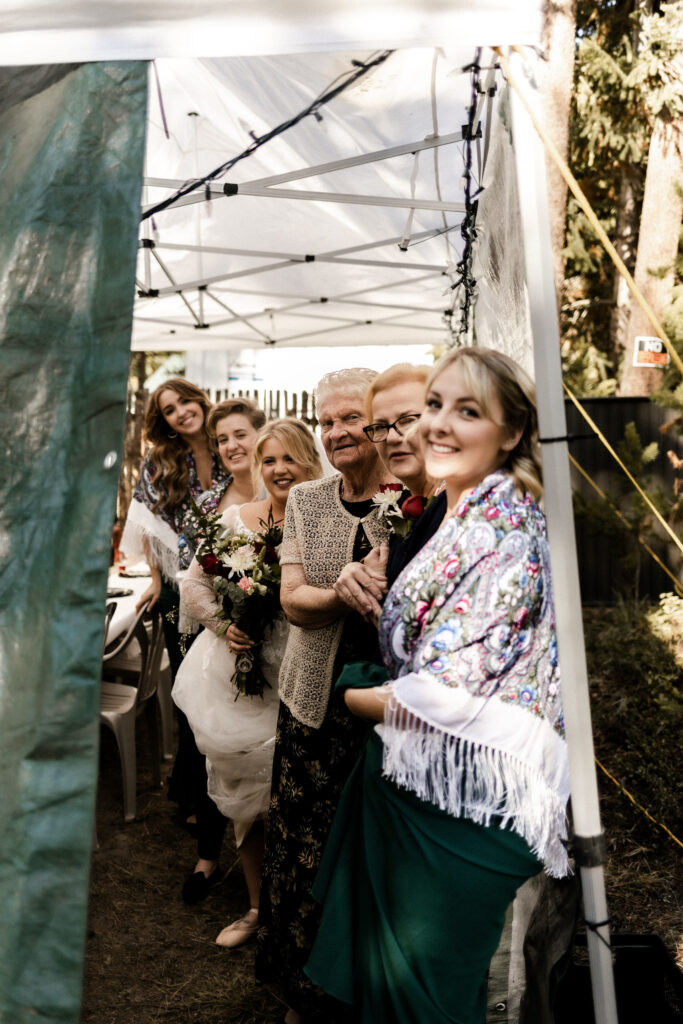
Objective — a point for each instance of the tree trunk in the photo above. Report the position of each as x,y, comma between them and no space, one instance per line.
557,83
660,226
625,242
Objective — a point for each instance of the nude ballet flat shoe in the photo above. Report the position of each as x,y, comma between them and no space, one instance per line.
239,932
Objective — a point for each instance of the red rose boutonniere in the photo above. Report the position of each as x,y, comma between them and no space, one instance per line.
400,513
413,506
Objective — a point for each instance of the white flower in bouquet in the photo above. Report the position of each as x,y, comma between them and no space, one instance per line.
242,559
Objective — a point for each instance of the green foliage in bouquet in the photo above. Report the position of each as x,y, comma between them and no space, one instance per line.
246,573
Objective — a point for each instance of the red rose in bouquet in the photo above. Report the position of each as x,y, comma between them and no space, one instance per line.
210,564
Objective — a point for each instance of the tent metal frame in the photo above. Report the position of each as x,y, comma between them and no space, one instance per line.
349,255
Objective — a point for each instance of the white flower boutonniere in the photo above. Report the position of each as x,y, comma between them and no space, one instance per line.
388,501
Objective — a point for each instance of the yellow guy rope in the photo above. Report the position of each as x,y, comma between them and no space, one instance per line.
649,313
575,188
660,563
587,209
633,480
639,806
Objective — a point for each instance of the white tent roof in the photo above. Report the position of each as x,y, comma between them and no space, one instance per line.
48,31
302,256
307,252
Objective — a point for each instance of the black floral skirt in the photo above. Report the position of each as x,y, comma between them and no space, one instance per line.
310,768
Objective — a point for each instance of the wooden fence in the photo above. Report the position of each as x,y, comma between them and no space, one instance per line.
275,404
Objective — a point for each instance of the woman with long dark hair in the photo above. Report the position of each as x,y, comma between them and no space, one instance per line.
183,465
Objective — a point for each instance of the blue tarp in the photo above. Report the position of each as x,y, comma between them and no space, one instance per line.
71,158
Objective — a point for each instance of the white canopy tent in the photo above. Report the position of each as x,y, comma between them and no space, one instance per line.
234,272
341,229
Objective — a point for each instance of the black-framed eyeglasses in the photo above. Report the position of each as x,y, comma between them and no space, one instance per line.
377,432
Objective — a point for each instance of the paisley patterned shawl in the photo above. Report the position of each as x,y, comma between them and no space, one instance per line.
475,720
167,533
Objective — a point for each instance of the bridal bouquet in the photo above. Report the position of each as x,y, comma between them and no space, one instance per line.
246,581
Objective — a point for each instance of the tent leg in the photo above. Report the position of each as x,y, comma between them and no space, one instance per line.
532,189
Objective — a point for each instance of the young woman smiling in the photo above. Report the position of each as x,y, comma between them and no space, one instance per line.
233,425
236,733
461,793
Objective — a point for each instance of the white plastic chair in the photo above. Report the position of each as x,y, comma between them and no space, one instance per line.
136,656
126,667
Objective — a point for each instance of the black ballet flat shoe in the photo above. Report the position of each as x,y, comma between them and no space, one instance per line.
196,887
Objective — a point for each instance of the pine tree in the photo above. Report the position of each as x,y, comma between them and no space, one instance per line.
626,88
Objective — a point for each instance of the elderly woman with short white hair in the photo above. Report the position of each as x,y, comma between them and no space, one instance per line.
330,525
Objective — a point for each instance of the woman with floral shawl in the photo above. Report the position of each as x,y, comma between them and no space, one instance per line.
461,793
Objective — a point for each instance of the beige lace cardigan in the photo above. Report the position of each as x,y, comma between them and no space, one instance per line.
319,534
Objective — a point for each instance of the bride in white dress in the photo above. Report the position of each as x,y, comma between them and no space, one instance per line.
236,732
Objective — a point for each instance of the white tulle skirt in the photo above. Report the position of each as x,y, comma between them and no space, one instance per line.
236,733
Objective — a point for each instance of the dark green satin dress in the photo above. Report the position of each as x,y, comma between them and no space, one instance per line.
414,901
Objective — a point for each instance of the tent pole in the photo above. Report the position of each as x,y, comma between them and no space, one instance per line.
589,839
348,198
315,170
198,216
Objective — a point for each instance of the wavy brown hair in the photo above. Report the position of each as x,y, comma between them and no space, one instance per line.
167,453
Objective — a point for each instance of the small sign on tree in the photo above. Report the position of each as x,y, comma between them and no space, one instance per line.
649,352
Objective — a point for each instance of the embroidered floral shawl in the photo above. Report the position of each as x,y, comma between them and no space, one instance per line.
468,636
167,533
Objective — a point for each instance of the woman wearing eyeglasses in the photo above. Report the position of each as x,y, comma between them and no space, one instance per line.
393,403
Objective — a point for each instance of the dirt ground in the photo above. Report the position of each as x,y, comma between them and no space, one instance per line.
152,960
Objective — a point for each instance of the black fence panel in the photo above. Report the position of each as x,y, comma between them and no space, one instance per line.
601,572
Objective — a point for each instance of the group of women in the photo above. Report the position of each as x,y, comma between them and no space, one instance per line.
407,770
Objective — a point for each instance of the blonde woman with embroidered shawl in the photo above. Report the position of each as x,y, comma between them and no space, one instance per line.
461,793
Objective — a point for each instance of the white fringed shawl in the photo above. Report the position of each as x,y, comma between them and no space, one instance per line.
474,724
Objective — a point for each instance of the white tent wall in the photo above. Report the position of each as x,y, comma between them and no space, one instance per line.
589,846
327,34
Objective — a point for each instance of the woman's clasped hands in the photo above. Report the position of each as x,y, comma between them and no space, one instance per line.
363,585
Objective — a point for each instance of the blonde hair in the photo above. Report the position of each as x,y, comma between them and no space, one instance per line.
490,375
353,382
400,373
296,439
167,452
